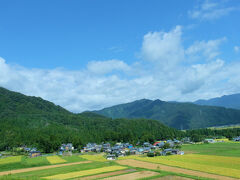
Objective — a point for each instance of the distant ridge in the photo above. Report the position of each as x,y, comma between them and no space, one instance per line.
228,101
174,114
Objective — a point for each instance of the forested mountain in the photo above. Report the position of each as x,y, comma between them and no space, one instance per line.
173,114
33,121
228,101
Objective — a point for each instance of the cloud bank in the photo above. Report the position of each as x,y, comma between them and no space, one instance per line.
166,70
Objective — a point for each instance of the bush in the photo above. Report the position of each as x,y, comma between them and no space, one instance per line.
150,154
168,153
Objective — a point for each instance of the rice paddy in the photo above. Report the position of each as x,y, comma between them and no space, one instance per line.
97,157
55,159
214,165
86,172
12,159
218,160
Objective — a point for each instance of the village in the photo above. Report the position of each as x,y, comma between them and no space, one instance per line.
113,151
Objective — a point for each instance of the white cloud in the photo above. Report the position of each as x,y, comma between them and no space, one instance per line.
164,48
209,10
208,50
236,49
102,67
199,74
162,74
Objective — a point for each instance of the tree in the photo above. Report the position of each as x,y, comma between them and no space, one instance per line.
166,146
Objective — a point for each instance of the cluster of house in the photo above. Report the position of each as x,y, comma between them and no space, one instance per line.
123,149
236,138
66,149
32,151
209,141
117,150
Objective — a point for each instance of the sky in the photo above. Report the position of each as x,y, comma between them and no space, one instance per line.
91,54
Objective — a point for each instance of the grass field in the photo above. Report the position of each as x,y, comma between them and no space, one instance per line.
219,149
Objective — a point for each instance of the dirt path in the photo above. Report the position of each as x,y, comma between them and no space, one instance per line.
173,178
147,165
133,176
41,168
108,174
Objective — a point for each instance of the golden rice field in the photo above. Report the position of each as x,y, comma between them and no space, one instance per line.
128,157
97,157
86,172
12,159
226,166
222,140
55,159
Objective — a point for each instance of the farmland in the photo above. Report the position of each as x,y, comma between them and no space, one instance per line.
85,172
195,162
202,161
220,149
99,158
55,160
19,162
9,160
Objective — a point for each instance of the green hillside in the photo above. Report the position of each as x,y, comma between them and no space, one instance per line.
33,121
177,115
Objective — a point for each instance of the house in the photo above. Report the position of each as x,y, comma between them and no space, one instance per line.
66,147
34,154
159,144
209,141
177,141
146,144
140,150
111,157
187,140
172,152
106,147
92,147
237,138
28,149
146,149
171,143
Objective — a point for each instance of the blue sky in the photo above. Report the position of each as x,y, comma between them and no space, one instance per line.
87,55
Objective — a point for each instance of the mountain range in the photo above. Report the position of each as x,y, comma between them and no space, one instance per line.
32,121
175,114
228,101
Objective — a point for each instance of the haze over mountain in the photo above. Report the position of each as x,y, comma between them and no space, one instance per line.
228,101
174,114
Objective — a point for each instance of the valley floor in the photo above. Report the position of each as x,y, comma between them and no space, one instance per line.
203,161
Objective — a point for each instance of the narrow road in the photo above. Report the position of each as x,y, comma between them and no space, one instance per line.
147,165
41,168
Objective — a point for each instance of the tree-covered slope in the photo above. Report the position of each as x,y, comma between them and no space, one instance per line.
13,102
177,115
228,101
33,121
